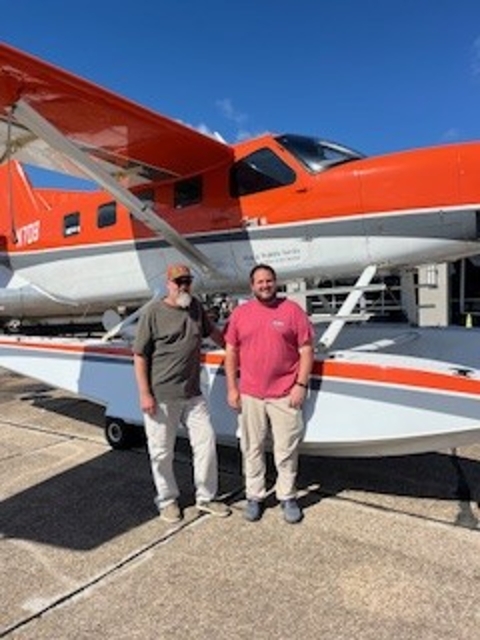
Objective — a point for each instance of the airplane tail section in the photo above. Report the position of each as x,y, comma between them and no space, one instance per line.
19,202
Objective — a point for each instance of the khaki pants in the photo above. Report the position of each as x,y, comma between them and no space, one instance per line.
161,433
258,418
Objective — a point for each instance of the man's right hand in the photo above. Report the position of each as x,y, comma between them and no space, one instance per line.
148,404
234,400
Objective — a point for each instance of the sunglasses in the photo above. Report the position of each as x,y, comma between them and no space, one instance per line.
183,282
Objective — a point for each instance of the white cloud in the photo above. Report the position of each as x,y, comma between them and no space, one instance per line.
226,107
451,135
475,65
236,117
202,128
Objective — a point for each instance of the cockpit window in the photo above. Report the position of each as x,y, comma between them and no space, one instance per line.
260,171
315,154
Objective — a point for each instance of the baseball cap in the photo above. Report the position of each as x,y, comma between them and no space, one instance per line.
175,271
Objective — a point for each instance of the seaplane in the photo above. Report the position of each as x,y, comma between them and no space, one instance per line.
165,192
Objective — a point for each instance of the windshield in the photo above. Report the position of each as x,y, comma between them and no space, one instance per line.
315,154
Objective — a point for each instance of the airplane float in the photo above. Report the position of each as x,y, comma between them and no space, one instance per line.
309,207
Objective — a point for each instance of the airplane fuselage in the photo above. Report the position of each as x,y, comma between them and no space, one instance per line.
394,211
308,207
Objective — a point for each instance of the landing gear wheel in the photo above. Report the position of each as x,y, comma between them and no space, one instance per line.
119,435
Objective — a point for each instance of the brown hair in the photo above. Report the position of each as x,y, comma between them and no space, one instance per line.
267,267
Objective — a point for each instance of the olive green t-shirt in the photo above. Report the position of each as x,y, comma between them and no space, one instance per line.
170,338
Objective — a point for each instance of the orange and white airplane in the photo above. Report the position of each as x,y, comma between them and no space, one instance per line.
306,206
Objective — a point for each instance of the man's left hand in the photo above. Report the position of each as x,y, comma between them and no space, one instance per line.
297,396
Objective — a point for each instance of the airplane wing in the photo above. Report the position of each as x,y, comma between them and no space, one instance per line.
126,140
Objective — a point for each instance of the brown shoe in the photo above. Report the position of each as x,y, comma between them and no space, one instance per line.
171,513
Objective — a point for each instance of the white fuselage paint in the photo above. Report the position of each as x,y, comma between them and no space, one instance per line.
116,272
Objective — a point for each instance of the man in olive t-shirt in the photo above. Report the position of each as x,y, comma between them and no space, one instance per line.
167,370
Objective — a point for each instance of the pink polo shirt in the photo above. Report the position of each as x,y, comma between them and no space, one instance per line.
268,340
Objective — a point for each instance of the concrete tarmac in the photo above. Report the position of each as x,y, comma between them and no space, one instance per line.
388,548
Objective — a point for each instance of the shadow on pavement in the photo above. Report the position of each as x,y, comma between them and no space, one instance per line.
85,506
92,503
433,475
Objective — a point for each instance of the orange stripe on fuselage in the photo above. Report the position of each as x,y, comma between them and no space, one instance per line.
391,375
335,370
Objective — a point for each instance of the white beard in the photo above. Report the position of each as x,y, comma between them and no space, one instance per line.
183,299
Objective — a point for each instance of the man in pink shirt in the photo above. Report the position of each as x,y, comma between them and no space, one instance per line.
269,343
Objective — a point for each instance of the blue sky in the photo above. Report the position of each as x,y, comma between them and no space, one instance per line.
377,75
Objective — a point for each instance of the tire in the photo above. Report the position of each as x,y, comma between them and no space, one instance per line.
119,435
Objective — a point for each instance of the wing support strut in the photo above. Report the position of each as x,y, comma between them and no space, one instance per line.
31,119
331,333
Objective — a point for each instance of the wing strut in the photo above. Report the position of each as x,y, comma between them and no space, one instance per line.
331,333
31,119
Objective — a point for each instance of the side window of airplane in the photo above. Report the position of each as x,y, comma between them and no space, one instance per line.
71,224
187,192
107,214
260,171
